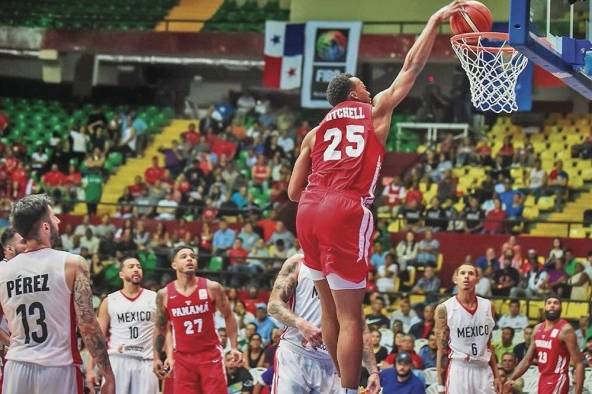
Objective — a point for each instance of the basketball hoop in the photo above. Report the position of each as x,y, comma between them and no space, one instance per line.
492,67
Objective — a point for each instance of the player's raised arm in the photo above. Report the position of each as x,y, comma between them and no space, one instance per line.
442,338
283,289
87,322
221,301
301,168
568,336
387,100
161,325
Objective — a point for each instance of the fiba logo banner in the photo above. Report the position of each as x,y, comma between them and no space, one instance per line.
331,48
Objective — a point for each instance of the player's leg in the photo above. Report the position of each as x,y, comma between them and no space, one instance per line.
19,378
213,378
122,372
458,379
143,380
290,373
186,375
329,322
483,378
65,380
348,307
326,380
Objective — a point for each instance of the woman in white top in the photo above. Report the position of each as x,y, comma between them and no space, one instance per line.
407,251
557,251
580,284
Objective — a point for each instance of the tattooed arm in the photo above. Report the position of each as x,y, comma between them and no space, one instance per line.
283,289
161,326
442,338
104,322
524,363
369,361
568,336
221,300
77,268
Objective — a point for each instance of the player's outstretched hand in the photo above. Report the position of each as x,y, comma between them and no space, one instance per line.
444,13
237,357
159,369
373,386
312,334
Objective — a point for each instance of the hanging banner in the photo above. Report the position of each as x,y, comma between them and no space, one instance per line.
331,48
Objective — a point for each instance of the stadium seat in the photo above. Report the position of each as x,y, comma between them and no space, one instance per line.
546,203
577,232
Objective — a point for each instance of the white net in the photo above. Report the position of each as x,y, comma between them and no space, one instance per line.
492,70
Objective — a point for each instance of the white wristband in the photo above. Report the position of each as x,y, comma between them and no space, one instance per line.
441,388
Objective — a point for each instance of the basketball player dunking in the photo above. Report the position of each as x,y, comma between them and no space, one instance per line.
127,316
188,304
464,324
302,363
333,181
44,293
554,344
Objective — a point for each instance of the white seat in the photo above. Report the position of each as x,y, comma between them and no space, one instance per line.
433,389
430,376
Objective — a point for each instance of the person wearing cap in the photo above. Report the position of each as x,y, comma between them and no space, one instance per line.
400,378
265,324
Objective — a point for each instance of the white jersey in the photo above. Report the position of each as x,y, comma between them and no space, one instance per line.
305,303
131,324
470,332
39,308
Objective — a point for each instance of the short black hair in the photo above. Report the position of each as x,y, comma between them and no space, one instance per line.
7,236
178,249
514,301
547,298
28,212
509,328
339,88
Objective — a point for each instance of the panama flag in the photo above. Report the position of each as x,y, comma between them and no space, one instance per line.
284,48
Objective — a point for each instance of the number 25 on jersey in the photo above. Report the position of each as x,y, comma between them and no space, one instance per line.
354,134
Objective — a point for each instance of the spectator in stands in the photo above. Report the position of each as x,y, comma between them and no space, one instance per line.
82,227
494,220
393,196
401,379
423,328
107,245
173,158
484,285
473,216
414,194
95,161
583,150
513,319
465,155
126,244
537,180
380,352
405,314
521,348
505,278
128,140
386,274
281,232
80,142
428,352
556,251
427,250
588,352
580,284
223,237
508,364
407,251
191,136
570,262
515,209
243,317
407,345
167,207
39,160
248,236
105,226
376,318
558,278
154,173
447,187
412,214
537,284
93,191
557,184
582,331
90,242
505,345
428,285
506,152
265,324
260,173
254,357
52,179
378,255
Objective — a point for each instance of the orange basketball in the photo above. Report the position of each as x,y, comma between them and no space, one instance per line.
474,17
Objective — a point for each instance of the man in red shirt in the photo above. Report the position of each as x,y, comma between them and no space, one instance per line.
186,306
154,173
73,178
138,186
53,178
237,256
221,146
414,194
191,136
19,179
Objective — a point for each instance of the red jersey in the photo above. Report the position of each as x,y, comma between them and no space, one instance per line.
347,155
192,319
551,352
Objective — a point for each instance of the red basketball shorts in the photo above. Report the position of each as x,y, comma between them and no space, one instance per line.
193,374
335,232
553,384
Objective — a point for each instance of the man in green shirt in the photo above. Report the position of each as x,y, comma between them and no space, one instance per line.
93,190
571,261
506,345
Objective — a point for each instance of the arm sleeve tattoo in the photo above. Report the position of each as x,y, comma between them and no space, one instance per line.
160,327
283,289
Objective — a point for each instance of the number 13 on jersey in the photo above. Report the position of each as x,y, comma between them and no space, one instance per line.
354,134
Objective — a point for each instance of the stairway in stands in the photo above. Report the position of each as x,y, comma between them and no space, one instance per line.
572,212
190,10
125,175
